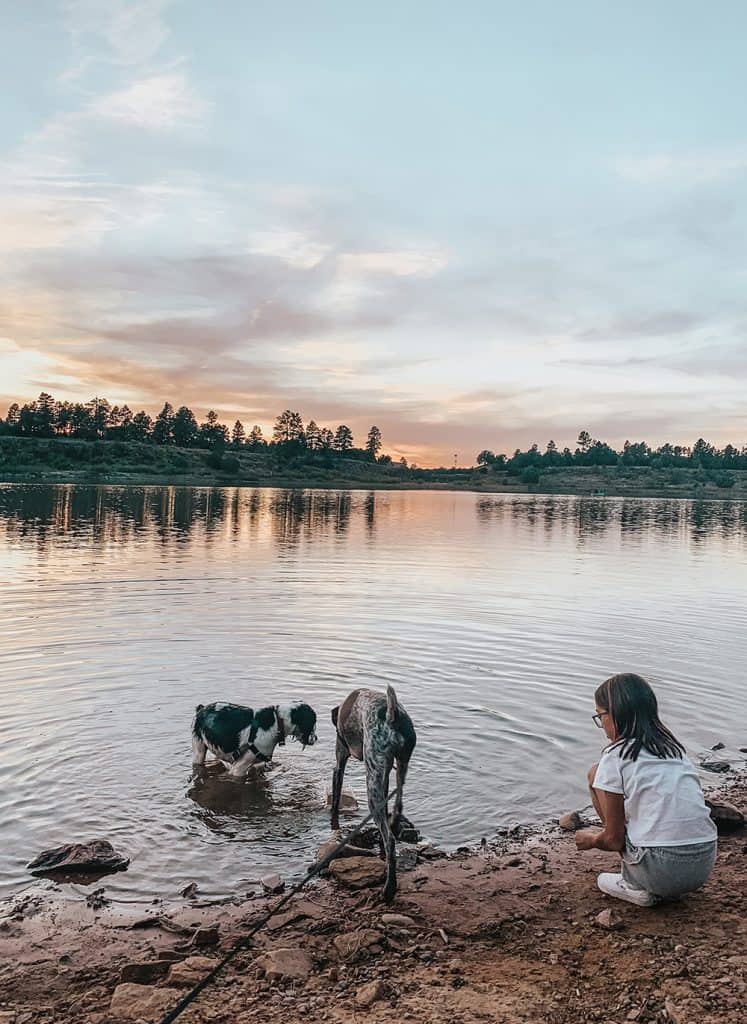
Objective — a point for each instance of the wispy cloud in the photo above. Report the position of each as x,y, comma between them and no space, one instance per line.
688,169
160,102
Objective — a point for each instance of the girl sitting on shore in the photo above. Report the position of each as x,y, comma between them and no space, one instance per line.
648,797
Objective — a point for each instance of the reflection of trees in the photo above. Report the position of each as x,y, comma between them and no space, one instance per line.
630,517
42,516
303,515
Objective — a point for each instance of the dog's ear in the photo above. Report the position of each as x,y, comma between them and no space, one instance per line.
303,718
335,713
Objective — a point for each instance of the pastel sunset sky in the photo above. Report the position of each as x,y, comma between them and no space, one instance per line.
477,225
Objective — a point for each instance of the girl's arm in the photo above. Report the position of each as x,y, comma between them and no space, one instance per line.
612,836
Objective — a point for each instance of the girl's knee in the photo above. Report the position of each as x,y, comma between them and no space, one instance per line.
592,773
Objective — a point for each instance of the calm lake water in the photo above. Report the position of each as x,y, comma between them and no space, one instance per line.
494,617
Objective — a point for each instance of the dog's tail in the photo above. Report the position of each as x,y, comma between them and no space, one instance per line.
392,707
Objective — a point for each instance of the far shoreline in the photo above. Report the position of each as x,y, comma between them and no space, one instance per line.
613,489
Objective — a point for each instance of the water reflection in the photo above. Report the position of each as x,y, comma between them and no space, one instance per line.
628,517
40,515
223,803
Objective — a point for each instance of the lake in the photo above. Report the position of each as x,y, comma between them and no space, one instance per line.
493,616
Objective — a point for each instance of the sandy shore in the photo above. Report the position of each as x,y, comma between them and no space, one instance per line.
508,933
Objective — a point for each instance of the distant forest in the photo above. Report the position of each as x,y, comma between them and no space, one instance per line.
98,420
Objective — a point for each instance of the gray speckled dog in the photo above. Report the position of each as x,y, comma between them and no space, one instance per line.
374,728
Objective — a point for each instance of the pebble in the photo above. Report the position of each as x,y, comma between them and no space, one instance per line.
610,920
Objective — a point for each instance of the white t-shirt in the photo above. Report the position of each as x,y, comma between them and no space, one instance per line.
664,803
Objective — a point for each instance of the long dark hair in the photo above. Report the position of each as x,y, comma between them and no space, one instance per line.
632,704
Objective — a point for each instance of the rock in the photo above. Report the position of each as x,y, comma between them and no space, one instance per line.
206,936
285,963
136,1002
189,891
610,920
144,973
407,833
347,801
715,766
718,746
300,909
570,822
190,971
726,816
397,921
99,855
272,884
349,944
358,872
370,993
407,859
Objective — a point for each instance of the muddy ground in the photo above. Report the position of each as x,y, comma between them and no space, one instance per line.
508,934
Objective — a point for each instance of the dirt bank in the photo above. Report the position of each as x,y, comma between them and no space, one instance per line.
505,934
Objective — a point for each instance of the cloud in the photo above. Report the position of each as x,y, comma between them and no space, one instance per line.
665,168
400,264
159,102
125,32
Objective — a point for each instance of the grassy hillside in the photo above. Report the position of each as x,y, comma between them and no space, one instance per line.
58,460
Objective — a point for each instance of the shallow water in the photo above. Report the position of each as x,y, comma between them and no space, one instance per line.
494,617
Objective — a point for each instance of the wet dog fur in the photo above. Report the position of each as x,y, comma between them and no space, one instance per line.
374,728
241,737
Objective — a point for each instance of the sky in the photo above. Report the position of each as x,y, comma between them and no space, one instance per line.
478,225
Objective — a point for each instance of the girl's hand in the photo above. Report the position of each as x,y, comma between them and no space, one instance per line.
585,839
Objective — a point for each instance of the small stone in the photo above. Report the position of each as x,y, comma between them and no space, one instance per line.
610,920
370,993
358,872
715,766
135,1002
347,801
570,822
397,921
285,963
190,971
718,746
350,944
144,973
272,884
208,936
726,816
189,891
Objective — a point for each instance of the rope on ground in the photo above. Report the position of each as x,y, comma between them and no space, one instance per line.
243,943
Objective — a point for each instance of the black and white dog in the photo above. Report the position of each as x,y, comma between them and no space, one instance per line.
375,728
241,737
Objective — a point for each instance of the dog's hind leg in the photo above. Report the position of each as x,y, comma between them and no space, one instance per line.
377,784
341,759
396,818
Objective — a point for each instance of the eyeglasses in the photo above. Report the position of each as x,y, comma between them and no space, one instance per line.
597,719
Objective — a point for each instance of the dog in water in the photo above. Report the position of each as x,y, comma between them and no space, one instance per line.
241,737
375,728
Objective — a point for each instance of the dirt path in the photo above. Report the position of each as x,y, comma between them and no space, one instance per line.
506,934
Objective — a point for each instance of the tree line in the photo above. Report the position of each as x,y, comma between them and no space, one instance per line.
98,420
590,452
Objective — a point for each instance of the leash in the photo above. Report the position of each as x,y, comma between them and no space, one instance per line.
243,943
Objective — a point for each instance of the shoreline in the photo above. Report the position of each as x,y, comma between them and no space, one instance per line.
506,932
343,484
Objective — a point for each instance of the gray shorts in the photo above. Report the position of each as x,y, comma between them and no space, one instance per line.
668,871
